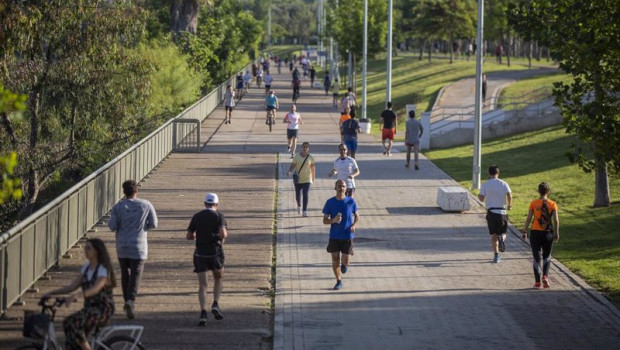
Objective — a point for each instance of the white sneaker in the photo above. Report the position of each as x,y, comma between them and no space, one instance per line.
305,214
298,210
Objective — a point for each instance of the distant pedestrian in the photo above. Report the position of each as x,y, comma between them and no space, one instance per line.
131,218
499,50
346,169
544,232
340,212
335,91
413,133
498,198
290,66
268,82
388,124
327,83
208,229
484,90
293,121
350,128
352,99
312,76
295,73
343,117
305,168
229,103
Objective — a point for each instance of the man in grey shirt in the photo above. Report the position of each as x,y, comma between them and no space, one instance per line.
131,218
413,134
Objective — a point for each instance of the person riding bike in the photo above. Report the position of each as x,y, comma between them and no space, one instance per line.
271,104
296,83
97,280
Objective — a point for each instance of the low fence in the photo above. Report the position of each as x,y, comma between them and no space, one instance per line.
30,248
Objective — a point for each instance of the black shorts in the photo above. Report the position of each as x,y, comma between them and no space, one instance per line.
206,263
349,192
270,108
497,223
344,246
228,108
290,133
267,87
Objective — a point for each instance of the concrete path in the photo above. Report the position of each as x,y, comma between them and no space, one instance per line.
461,94
420,278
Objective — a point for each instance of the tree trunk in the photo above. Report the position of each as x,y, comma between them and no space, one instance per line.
451,49
31,176
529,55
508,47
430,49
422,49
601,184
184,16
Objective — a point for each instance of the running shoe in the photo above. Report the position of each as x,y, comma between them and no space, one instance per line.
215,310
203,318
338,285
545,282
417,167
537,285
305,214
343,268
298,210
128,307
406,165
501,243
288,148
497,259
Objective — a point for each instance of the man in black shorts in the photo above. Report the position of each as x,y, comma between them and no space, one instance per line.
208,229
341,213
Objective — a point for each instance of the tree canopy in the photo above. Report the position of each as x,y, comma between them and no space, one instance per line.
583,37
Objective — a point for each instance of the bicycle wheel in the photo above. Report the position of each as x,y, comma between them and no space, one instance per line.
121,342
270,123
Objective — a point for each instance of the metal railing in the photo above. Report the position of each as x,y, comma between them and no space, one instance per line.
30,248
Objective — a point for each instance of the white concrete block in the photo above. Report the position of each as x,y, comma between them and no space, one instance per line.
453,198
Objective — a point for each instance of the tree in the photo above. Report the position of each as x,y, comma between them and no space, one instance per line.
184,15
10,186
86,89
583,37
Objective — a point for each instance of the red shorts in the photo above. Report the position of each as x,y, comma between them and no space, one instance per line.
388,134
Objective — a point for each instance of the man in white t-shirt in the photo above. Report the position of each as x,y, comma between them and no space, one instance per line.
345,168
293,120
498,199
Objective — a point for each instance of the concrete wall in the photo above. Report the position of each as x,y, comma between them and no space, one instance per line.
500,123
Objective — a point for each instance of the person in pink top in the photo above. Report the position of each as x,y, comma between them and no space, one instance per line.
293,120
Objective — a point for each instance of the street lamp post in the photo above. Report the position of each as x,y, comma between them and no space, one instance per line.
388,90
478,103
365,54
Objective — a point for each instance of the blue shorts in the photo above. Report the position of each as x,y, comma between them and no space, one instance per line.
351,143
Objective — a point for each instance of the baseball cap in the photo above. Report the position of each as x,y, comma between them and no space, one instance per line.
211,198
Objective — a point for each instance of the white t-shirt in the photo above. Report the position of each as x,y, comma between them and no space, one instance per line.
229,98
268,79
102,272
293,120
494,192
344,168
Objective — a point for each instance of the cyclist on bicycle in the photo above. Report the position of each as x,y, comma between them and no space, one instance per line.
97,280
271,104
296,83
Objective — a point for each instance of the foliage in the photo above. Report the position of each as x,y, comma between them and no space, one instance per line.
225,39
86,90
347,25
174,85
583,38
10,186
589,240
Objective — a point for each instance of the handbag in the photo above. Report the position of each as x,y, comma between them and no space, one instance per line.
295,174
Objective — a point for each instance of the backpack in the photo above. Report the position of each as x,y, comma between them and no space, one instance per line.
545,217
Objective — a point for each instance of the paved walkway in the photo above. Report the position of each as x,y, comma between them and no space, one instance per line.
420,278
461,94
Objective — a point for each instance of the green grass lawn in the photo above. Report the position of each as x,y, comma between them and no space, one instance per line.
525,86
589,243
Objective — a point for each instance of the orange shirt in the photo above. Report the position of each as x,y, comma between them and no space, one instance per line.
536,207
344,117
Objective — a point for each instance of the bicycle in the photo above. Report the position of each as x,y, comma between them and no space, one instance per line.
40,330
271,118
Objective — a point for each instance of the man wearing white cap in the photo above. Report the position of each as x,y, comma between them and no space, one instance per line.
208,229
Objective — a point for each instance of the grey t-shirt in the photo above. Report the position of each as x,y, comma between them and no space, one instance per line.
413,131
131,218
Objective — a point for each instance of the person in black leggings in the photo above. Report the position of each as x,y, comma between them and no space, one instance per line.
544,232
